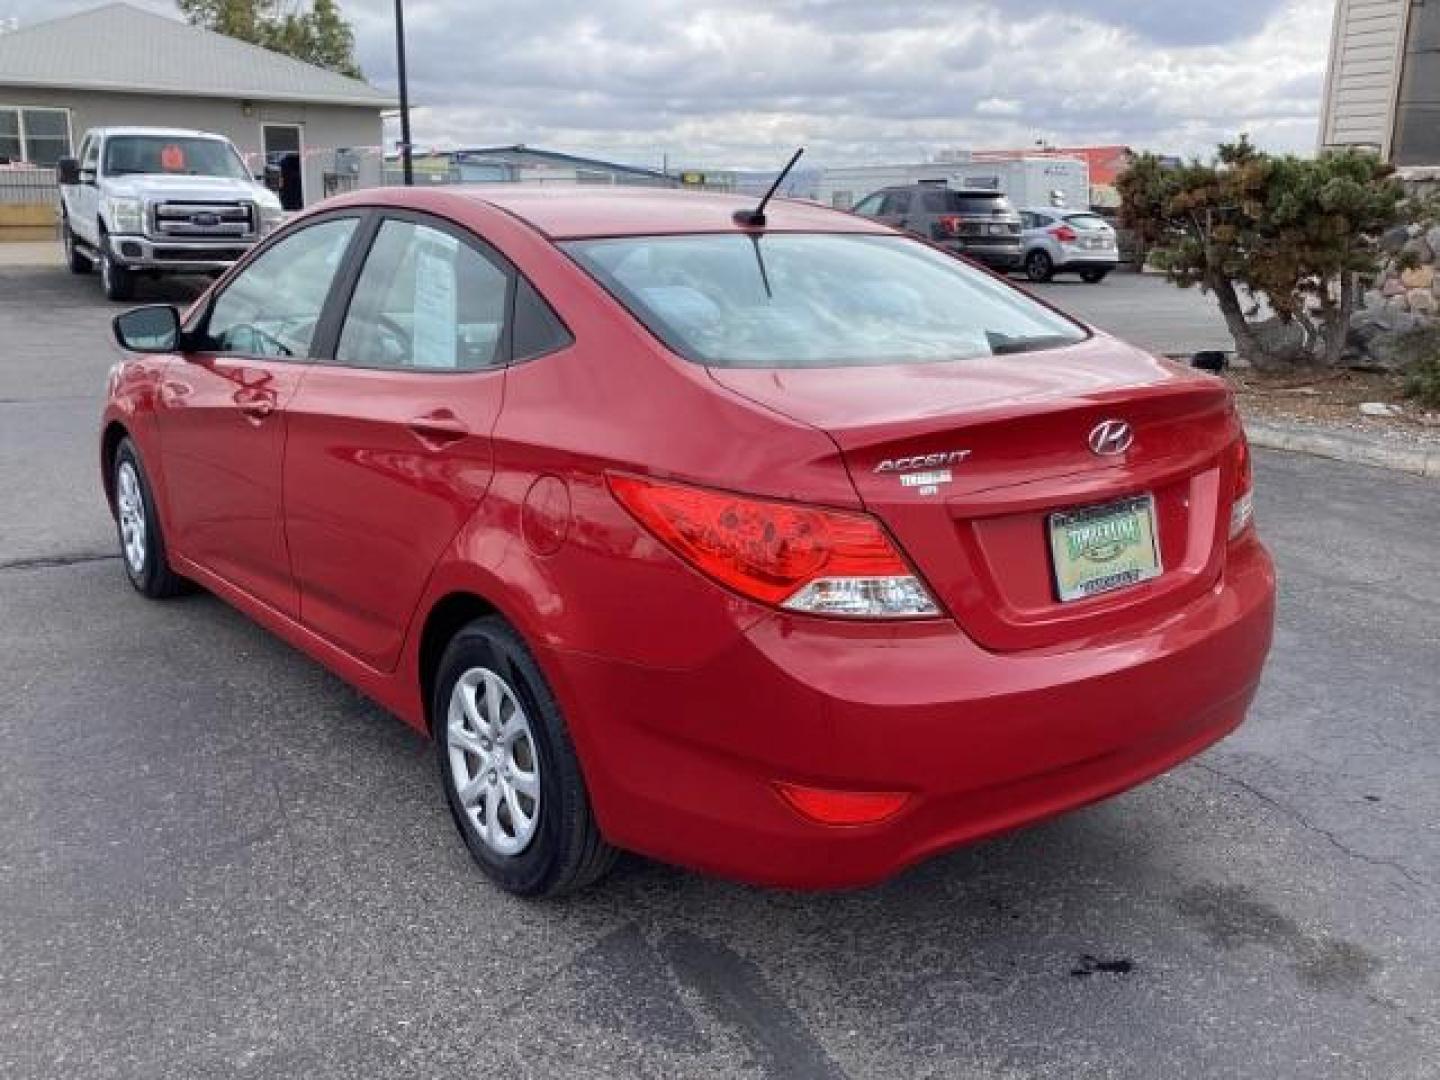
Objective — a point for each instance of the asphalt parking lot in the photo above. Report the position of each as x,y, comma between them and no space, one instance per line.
217,860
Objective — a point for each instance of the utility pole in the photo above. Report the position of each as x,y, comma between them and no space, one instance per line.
405,163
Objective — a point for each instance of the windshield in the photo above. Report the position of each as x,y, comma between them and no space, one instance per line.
1087,221
791,300
179,155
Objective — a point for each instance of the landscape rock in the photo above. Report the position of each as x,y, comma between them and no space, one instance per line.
1378,408
1418,277
1392,287
1418,250
1422,301
1392,240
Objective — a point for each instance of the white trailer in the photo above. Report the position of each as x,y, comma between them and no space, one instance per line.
1032,180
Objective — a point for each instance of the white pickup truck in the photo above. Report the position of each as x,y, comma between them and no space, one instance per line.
156,201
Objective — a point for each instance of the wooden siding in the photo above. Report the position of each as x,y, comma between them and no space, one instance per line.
1360,85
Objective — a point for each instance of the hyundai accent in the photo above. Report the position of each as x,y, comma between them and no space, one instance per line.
781,546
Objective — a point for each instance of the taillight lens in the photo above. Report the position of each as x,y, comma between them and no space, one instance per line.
802,558
1242,505
1065,234
949,225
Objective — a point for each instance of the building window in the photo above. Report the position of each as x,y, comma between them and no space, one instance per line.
1417,114
34,136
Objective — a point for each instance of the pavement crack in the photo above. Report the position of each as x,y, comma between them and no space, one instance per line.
47,562
1309,826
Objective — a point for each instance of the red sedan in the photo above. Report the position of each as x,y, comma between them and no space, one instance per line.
794,550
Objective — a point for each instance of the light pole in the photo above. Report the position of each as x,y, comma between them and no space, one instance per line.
405,164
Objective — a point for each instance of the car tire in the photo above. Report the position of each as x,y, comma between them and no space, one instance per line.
75,259
1093,277
117,281
137,524
1039,267
499,737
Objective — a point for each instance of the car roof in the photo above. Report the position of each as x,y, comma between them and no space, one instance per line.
572,211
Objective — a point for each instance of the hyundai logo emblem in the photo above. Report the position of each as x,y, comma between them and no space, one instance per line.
1111,437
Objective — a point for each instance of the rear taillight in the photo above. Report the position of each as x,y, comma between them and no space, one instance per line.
802,558
1065,234
950,225
1242,504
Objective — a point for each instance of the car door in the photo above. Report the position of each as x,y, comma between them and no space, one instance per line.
84,197
222,410
389,447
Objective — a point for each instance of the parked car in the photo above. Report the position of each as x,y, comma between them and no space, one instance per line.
980,224
143,201
792,550
1060,241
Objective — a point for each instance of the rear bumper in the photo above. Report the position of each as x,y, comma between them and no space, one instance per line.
142,253
682,764
1008,257
1089,261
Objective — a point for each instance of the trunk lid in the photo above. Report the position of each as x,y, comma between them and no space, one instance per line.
1008,441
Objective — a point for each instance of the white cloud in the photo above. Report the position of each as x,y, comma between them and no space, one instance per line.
739,82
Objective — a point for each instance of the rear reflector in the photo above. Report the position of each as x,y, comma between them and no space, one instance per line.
803,558
1065,234
1242,505
842,807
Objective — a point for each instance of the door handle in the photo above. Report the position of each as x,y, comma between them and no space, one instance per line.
259,409
438,429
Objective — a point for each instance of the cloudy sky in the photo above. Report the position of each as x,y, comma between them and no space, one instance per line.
738,82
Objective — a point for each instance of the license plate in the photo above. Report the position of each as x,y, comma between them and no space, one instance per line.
1102,548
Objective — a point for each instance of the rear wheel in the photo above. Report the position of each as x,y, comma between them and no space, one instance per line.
1093,277
117,281
1038,266
142,543
509,769
75,259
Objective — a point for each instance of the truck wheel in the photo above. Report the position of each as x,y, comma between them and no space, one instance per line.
117,281
1039,267
76,259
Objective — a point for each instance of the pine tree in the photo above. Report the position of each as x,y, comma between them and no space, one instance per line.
320,35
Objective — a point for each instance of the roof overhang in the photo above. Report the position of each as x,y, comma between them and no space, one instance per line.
356,102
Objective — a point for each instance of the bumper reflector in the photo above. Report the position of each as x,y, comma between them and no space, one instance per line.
842,807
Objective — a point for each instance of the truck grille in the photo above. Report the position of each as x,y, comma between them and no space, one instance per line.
203,220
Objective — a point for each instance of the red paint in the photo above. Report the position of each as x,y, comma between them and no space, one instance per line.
345,512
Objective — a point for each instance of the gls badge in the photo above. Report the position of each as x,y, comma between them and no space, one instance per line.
922,461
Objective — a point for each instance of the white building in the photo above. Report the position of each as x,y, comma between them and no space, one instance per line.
1382,89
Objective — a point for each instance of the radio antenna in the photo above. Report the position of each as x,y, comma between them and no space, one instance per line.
755,219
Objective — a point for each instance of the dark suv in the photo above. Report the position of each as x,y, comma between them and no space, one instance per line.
979,223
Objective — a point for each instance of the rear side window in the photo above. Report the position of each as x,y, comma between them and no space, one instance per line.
1087,221
792,300
896,202
425,300
537,330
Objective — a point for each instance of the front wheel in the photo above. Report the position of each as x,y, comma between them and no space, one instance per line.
142,544
509,769
117,281
1039,267
1093,277
75,259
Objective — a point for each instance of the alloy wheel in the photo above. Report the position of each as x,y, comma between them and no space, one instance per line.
493,763
130,502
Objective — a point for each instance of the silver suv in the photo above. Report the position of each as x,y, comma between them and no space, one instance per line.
1060,241
979,223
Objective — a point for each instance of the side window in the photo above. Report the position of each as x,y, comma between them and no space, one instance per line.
425,301
272,306
538,330
870,205
896,202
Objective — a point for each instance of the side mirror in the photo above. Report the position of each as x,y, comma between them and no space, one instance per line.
68,170
151,329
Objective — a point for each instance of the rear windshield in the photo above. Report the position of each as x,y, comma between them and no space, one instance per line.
952,202
1087,221
795,300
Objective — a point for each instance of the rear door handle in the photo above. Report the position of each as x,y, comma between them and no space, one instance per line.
438,429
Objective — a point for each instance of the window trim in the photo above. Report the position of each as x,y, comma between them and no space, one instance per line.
20,110
199,323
